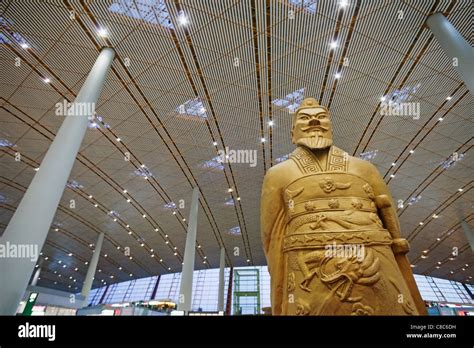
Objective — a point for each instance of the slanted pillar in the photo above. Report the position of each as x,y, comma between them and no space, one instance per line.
455,47
220,299
87,285
186,288
33,217
34,281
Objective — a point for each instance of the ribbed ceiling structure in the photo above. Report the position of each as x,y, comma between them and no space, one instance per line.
179,92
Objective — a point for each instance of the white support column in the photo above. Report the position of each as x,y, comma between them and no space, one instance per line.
454,46
186,288
220,299
87,285
34,281
31,222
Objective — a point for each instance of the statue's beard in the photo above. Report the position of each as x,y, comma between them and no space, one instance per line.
316,142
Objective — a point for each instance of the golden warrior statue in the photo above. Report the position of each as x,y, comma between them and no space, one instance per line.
330,231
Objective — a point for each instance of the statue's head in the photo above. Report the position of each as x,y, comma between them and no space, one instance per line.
311,125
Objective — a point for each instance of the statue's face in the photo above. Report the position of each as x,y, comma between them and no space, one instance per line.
312,128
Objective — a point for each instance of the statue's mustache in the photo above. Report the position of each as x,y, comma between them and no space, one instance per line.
311,127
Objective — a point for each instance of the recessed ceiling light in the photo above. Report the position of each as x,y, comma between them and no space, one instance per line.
460,189
270,123
24,45
440,119
182,19
343,3
102,32
90,196
70,254
127,226
128,200
204,261
169,268
337,75
437,267
248,260
333,44
131,258
46,80
393,164
262,140
36,169
115,219
382,98
96,205
130,274
129,232
161,260
238,198
143,166
119,140
175,254
142,244
156,230
214,143
184,219
144,215
146,177
120,268
424,256
392,175
152,255
166,236
435,216
167,242
438,239
421,223
174,213
412,151
56,229
125,191
60,262
230,190
449,98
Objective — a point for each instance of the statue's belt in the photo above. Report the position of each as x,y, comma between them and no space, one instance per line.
320,239
329,204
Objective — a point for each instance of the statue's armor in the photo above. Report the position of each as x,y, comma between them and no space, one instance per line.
337,253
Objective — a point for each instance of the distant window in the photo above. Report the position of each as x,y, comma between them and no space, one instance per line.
368,155
282,158
193,108
291,101
235,230
306,5
144,172
151,11
229,201
6,143
73,184
213,163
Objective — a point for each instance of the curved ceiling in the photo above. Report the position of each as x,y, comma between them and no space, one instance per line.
233,67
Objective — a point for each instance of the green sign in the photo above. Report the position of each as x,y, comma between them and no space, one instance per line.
30,303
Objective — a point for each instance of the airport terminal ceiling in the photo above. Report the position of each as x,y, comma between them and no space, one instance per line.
192,78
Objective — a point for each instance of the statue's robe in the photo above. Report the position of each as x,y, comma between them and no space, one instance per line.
310,210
